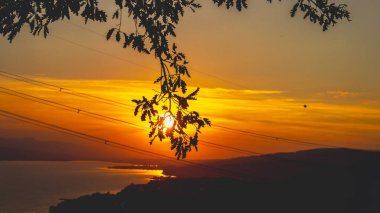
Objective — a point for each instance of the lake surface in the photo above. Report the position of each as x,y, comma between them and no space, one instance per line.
33,186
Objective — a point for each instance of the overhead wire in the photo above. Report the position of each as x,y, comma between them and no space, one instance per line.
117,144
62,89
138,64
63,106
238,131
100,116
276,138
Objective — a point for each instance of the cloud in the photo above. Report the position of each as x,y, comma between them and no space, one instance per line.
341,93
225,93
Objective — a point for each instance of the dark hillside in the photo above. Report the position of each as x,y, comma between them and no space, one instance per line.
337,180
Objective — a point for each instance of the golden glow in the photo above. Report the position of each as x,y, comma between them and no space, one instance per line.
168,120
267,112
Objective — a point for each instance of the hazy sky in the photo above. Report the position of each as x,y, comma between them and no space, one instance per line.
264,112
262,49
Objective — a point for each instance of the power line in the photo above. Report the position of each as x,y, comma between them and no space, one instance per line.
86,29
103,117
122,146
287,140
238,131
230,148
141,65
100,52
63,89
110,119
65,107
113,56
115,143
99,116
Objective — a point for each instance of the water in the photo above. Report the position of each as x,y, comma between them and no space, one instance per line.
33,186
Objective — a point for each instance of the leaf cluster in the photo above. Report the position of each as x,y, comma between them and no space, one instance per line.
38,14
174,101
320,12
154,22
239,4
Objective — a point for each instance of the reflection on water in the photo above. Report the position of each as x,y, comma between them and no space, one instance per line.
34,186
142,172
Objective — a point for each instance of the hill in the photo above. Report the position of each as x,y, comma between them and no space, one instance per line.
57,150
283,165
323,180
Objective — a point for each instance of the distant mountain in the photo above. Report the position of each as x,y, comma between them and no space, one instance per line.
314,181
281,165
32,149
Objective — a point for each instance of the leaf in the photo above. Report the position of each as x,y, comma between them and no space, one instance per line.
183,86
109,33
115,15
193,94
158,79
207,121
151,133
46,31
293,11
118,36
143,115
137,110
119,3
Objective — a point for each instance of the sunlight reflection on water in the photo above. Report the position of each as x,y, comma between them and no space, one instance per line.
34,186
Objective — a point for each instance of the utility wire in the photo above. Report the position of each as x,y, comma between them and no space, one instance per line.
85,28
230,148
110,55
116,144
287,140
102,117
110,119
141,65
91,138
100,52
238,131
62,89
64,107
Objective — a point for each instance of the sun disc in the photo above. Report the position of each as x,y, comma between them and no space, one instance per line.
168,120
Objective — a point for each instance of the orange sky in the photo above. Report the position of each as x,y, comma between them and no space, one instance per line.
266,112
267,66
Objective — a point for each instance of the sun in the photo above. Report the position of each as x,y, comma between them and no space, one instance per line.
168,120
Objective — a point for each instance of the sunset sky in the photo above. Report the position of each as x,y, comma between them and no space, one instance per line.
256,69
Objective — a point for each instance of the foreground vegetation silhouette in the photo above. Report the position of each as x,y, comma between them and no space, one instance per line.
155,22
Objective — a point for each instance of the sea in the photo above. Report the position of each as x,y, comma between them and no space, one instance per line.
34,186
